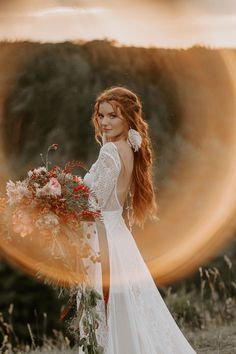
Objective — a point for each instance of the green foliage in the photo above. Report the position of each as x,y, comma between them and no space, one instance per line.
208,297
86,319
47,102
23,301
52,97
184,307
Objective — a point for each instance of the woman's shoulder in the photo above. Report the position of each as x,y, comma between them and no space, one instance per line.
124,150
117,149
108,147
122,146
110,150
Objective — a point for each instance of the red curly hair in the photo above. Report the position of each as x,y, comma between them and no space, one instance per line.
142,187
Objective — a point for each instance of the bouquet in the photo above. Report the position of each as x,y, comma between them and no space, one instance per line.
53,204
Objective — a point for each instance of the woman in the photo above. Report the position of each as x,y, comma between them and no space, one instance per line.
136,319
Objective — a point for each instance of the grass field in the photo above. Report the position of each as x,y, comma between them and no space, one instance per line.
206,314
214,340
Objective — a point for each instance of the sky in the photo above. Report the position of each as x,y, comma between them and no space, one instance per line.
159,23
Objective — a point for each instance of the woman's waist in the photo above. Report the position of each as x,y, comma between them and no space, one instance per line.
111,217
110,213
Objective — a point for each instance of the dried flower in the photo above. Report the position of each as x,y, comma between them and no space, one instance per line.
22,222
52,188
16,191
47,220
53,147
38,171
55,203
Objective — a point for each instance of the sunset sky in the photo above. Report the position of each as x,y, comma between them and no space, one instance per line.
161,23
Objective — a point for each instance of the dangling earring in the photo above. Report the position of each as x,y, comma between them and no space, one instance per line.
134,139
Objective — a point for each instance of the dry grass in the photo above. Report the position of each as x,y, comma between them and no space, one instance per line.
206,315
214,340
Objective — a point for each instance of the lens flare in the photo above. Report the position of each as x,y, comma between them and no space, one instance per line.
197,200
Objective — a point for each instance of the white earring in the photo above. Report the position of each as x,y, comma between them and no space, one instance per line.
134,139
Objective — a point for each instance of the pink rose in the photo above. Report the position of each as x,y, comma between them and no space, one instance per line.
54,186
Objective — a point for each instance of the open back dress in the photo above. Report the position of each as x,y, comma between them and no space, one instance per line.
135,319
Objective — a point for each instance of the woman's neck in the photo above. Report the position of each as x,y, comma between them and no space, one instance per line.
118,138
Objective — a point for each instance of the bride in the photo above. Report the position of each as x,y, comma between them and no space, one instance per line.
134,317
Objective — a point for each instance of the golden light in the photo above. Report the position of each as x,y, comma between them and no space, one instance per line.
142,23
197,201
67,10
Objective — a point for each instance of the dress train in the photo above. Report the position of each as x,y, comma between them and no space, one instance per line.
138,320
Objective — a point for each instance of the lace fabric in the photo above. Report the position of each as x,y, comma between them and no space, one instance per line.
102,179
138,320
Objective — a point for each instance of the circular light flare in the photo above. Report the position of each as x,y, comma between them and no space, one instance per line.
198,201
198,217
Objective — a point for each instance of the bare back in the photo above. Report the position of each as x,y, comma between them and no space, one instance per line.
125,177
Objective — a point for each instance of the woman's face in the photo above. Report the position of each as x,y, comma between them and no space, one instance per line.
112,124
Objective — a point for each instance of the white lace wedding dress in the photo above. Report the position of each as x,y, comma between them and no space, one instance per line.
138,320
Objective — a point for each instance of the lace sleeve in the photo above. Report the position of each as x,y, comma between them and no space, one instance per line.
106,172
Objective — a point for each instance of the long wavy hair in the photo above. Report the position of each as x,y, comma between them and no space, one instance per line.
142,188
